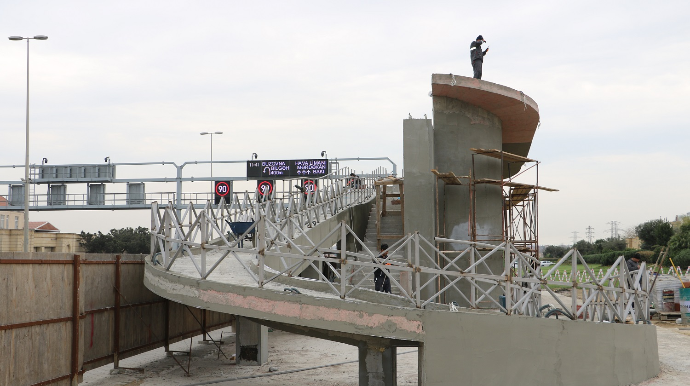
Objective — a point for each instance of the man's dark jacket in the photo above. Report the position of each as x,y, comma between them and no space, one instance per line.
476,52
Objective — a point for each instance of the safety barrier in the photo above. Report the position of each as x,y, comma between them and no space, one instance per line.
470,272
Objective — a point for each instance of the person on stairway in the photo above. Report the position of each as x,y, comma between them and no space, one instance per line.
382,283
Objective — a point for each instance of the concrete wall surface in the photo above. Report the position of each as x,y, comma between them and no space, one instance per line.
38,317
514,350
459,126
420,185
420,192
469,347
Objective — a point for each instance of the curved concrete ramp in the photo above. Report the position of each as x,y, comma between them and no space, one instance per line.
464,347
310,309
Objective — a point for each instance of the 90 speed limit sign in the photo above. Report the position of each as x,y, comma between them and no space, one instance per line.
222,189
265,188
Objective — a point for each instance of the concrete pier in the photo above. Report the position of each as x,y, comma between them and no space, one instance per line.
251,342
377,365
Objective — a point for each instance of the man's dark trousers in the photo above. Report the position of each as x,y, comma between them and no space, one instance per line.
477,67
382,283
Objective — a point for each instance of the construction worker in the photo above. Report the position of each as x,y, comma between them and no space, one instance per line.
634,262
477,56
382,283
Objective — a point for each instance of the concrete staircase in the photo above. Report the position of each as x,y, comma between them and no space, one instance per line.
391,224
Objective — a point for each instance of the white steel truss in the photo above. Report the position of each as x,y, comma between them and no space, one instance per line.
514,289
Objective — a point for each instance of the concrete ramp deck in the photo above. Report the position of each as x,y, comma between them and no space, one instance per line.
231,288
481,348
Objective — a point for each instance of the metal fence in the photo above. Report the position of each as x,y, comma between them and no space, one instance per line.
483,275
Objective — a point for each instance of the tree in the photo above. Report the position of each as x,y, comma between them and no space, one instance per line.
585,247
555,251
654,232
612,244
680,240
126,240
629,233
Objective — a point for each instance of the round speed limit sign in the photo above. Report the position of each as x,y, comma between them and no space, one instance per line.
310,186
222,188
265,188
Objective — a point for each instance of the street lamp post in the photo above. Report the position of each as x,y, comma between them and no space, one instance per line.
207,133
26,159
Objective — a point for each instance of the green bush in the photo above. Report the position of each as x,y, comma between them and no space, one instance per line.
609,258
681,259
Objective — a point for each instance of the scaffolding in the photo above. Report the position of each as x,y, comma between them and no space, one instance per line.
519,209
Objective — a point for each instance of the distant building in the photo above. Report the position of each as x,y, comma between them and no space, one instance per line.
633,243
679,220
43,236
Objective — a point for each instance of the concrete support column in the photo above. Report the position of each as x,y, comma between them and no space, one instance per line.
251,343
420,189
377,365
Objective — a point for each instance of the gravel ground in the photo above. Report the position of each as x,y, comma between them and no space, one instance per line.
287,352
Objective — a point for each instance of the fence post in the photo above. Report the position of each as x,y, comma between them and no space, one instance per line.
154,214
473,290
623,283
573,280
261,246
76,282
644,285
343,260
410,284
204,241
167,227
417,274
507,289
118,288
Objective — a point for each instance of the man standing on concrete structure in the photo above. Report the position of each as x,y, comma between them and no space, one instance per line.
382,283
477,56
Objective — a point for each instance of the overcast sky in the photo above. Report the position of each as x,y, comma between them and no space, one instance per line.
138,80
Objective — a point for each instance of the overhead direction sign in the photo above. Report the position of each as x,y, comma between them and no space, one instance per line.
281,169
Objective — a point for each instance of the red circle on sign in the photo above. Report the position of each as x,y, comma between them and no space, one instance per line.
222,189
310,186
265,187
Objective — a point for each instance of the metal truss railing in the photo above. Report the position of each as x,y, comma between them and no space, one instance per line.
308,208
294,214
482,275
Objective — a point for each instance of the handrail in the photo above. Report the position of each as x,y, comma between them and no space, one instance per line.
502,279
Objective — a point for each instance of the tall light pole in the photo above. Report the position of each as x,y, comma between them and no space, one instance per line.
26,160
206,133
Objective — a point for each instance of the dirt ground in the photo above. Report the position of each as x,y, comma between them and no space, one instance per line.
288,352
